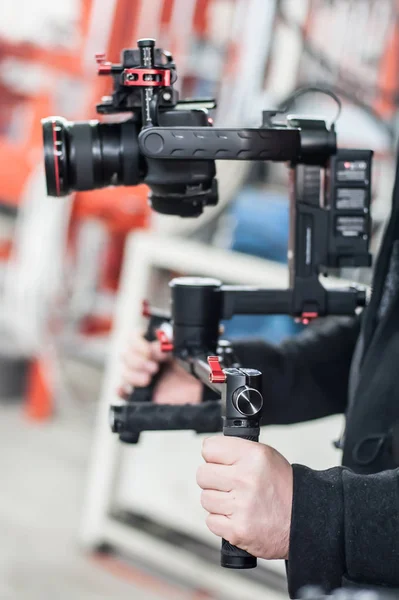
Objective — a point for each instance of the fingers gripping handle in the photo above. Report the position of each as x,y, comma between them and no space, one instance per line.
232,557
243,404
145,394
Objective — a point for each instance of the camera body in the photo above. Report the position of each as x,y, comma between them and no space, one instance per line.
89,155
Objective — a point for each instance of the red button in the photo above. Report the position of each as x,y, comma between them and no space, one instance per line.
166,343
217,374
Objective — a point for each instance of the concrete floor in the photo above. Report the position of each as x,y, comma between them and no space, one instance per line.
43,469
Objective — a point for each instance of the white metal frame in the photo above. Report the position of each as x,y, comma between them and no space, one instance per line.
144,253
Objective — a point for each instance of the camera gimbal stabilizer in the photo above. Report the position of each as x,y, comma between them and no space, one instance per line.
329,228
171,146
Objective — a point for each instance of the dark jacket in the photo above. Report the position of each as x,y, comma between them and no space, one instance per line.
345,521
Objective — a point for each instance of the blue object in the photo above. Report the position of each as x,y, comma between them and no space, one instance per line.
261,229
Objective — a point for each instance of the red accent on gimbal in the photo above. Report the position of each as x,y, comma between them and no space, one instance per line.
166,343
104,66
306,317
217,374
137,77
105,69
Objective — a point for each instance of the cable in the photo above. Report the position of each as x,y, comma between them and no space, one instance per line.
353,99
352,92
313,89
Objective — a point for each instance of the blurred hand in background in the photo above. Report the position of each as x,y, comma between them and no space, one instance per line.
142,361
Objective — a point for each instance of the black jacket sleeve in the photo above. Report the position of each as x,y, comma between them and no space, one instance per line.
307,376
344,529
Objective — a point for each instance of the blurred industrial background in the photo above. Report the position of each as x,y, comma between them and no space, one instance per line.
79,515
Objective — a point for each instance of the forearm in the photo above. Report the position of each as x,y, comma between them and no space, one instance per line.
306,377
343,529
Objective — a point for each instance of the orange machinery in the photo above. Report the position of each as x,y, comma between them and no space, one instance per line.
121,210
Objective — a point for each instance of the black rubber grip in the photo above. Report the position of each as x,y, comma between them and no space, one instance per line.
235,558
208,143
136,417
251,438
249,300
232,557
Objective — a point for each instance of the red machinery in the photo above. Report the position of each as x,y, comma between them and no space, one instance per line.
119,209
103,26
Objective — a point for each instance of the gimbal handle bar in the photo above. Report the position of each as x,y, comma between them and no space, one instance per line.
140,414
247,300
208,143
306,141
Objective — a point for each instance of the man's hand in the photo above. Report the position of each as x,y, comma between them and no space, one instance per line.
247,491
142,360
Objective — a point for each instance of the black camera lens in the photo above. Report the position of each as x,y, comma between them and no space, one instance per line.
88,155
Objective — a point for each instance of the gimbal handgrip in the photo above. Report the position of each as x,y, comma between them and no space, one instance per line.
132,418
231,556
208,143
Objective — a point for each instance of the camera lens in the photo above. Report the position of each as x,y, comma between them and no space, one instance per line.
87,155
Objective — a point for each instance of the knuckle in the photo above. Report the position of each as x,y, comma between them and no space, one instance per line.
204,498
128,376
234,538
207,447
210,523
205,444
240,531
208,443
241,478
143,379
259,458
258,451
130,361
200,476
